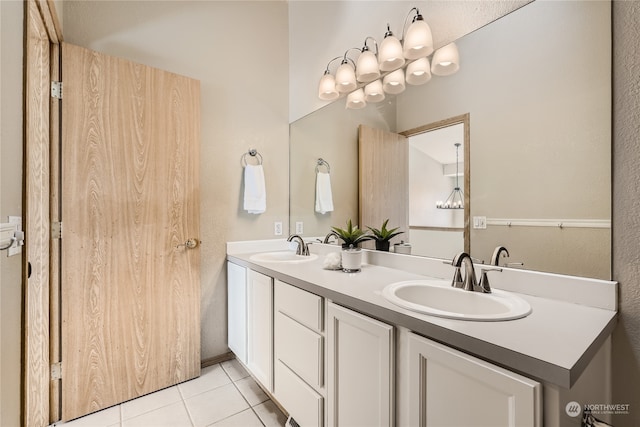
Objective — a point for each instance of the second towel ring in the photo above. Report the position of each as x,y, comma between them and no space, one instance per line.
322,162
253,153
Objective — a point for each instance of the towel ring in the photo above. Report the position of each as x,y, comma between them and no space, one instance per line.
322,162
253,153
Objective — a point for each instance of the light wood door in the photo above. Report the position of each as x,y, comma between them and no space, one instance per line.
383,180
451,388
130,295
37,210
260,328
361,366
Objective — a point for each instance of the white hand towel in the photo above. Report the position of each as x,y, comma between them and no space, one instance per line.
324,198
255,194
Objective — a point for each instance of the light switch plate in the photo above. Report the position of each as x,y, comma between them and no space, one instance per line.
480,222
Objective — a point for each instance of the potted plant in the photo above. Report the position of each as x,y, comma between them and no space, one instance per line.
382,236
351,236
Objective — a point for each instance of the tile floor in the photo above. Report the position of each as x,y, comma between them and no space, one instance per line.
223,395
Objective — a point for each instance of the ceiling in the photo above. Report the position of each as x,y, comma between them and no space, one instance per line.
439,144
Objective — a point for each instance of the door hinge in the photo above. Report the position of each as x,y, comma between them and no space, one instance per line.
56,90
56,230
56,371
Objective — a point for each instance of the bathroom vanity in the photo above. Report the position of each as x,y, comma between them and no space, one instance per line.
333,351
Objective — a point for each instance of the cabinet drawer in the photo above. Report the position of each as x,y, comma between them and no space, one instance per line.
300,349
300,400
300,305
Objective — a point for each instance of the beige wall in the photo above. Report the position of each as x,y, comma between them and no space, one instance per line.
626,207
11,27
239,52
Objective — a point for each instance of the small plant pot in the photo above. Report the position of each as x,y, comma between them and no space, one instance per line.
351,260
382,245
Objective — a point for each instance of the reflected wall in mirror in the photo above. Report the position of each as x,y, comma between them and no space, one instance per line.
537,85
331,134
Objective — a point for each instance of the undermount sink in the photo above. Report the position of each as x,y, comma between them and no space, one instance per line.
436,299
289,257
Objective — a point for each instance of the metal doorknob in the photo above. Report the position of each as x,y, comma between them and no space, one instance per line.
191,243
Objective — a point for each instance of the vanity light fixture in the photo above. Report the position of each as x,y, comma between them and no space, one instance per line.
373,92
367,65
346,75
388,61
356,100
390,56
446,60
417,41
419,71
456,198
393,82
327,87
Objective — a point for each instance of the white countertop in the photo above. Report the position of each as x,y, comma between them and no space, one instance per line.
554,344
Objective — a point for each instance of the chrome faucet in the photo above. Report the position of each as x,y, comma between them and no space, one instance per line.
331,234
495,258
302,248
469,282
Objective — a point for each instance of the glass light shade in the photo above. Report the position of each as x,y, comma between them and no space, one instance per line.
446,60
345,78
355,100
418,72
367,67
393,83
418,41
373,92
327,88
390,54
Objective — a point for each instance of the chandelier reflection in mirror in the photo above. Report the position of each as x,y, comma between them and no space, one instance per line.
456,198
394,63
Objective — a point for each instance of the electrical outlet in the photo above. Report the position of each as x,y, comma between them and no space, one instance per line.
299,227
480,222
277,228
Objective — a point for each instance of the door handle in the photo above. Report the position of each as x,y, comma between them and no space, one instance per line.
191,243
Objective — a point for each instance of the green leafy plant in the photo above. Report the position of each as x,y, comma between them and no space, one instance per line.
352,235
383,234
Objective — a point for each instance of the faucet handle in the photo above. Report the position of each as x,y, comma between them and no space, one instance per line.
514,264
484,280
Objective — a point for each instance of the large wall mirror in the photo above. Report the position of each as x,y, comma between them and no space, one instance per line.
536,85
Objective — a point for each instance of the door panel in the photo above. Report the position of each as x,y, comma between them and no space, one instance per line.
383,180
130,196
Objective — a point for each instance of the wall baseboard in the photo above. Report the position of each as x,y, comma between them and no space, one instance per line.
217,359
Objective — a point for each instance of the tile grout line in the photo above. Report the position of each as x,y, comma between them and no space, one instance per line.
248,403
186,407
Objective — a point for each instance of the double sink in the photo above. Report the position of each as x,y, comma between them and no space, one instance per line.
432,297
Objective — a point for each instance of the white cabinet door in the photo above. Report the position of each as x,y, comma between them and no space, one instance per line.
451,388
237,310
360,369
260,327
